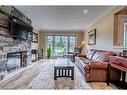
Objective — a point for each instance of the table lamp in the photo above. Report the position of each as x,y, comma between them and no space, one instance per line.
83,43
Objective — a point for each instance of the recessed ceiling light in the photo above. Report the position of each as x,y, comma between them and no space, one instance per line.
45,26
85,11
76,26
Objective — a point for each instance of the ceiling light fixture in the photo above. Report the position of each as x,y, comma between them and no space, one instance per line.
76,26
85,11
45,26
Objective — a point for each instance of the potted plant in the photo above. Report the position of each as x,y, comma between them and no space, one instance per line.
49,52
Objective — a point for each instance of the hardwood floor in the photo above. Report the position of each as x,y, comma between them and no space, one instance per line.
21,78
102,85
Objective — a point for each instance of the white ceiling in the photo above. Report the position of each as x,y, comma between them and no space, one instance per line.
65,18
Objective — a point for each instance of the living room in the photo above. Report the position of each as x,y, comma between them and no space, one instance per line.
32,44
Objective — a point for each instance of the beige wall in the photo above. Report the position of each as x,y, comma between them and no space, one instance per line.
79,34
104,33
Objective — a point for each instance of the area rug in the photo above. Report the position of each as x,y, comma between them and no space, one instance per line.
45,79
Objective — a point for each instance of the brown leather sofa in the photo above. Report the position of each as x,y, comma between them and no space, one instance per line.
94,65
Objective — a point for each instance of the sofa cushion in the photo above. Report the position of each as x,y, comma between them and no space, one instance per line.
102,56
90,54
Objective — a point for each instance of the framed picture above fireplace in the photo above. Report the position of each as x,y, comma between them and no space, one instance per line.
34,37
92,37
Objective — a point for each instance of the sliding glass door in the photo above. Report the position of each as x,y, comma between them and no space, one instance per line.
60,44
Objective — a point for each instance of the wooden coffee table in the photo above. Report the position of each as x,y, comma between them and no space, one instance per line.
63,68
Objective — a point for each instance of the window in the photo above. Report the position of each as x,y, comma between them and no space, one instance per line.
72,43
125,34
120,28
60,44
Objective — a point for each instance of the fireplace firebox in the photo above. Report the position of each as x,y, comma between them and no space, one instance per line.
16,60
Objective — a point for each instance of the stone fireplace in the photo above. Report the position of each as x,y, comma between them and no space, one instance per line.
14,53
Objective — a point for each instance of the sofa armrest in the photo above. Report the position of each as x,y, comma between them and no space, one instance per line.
84,56
98,65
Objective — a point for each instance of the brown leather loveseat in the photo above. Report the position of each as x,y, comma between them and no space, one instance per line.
94,65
